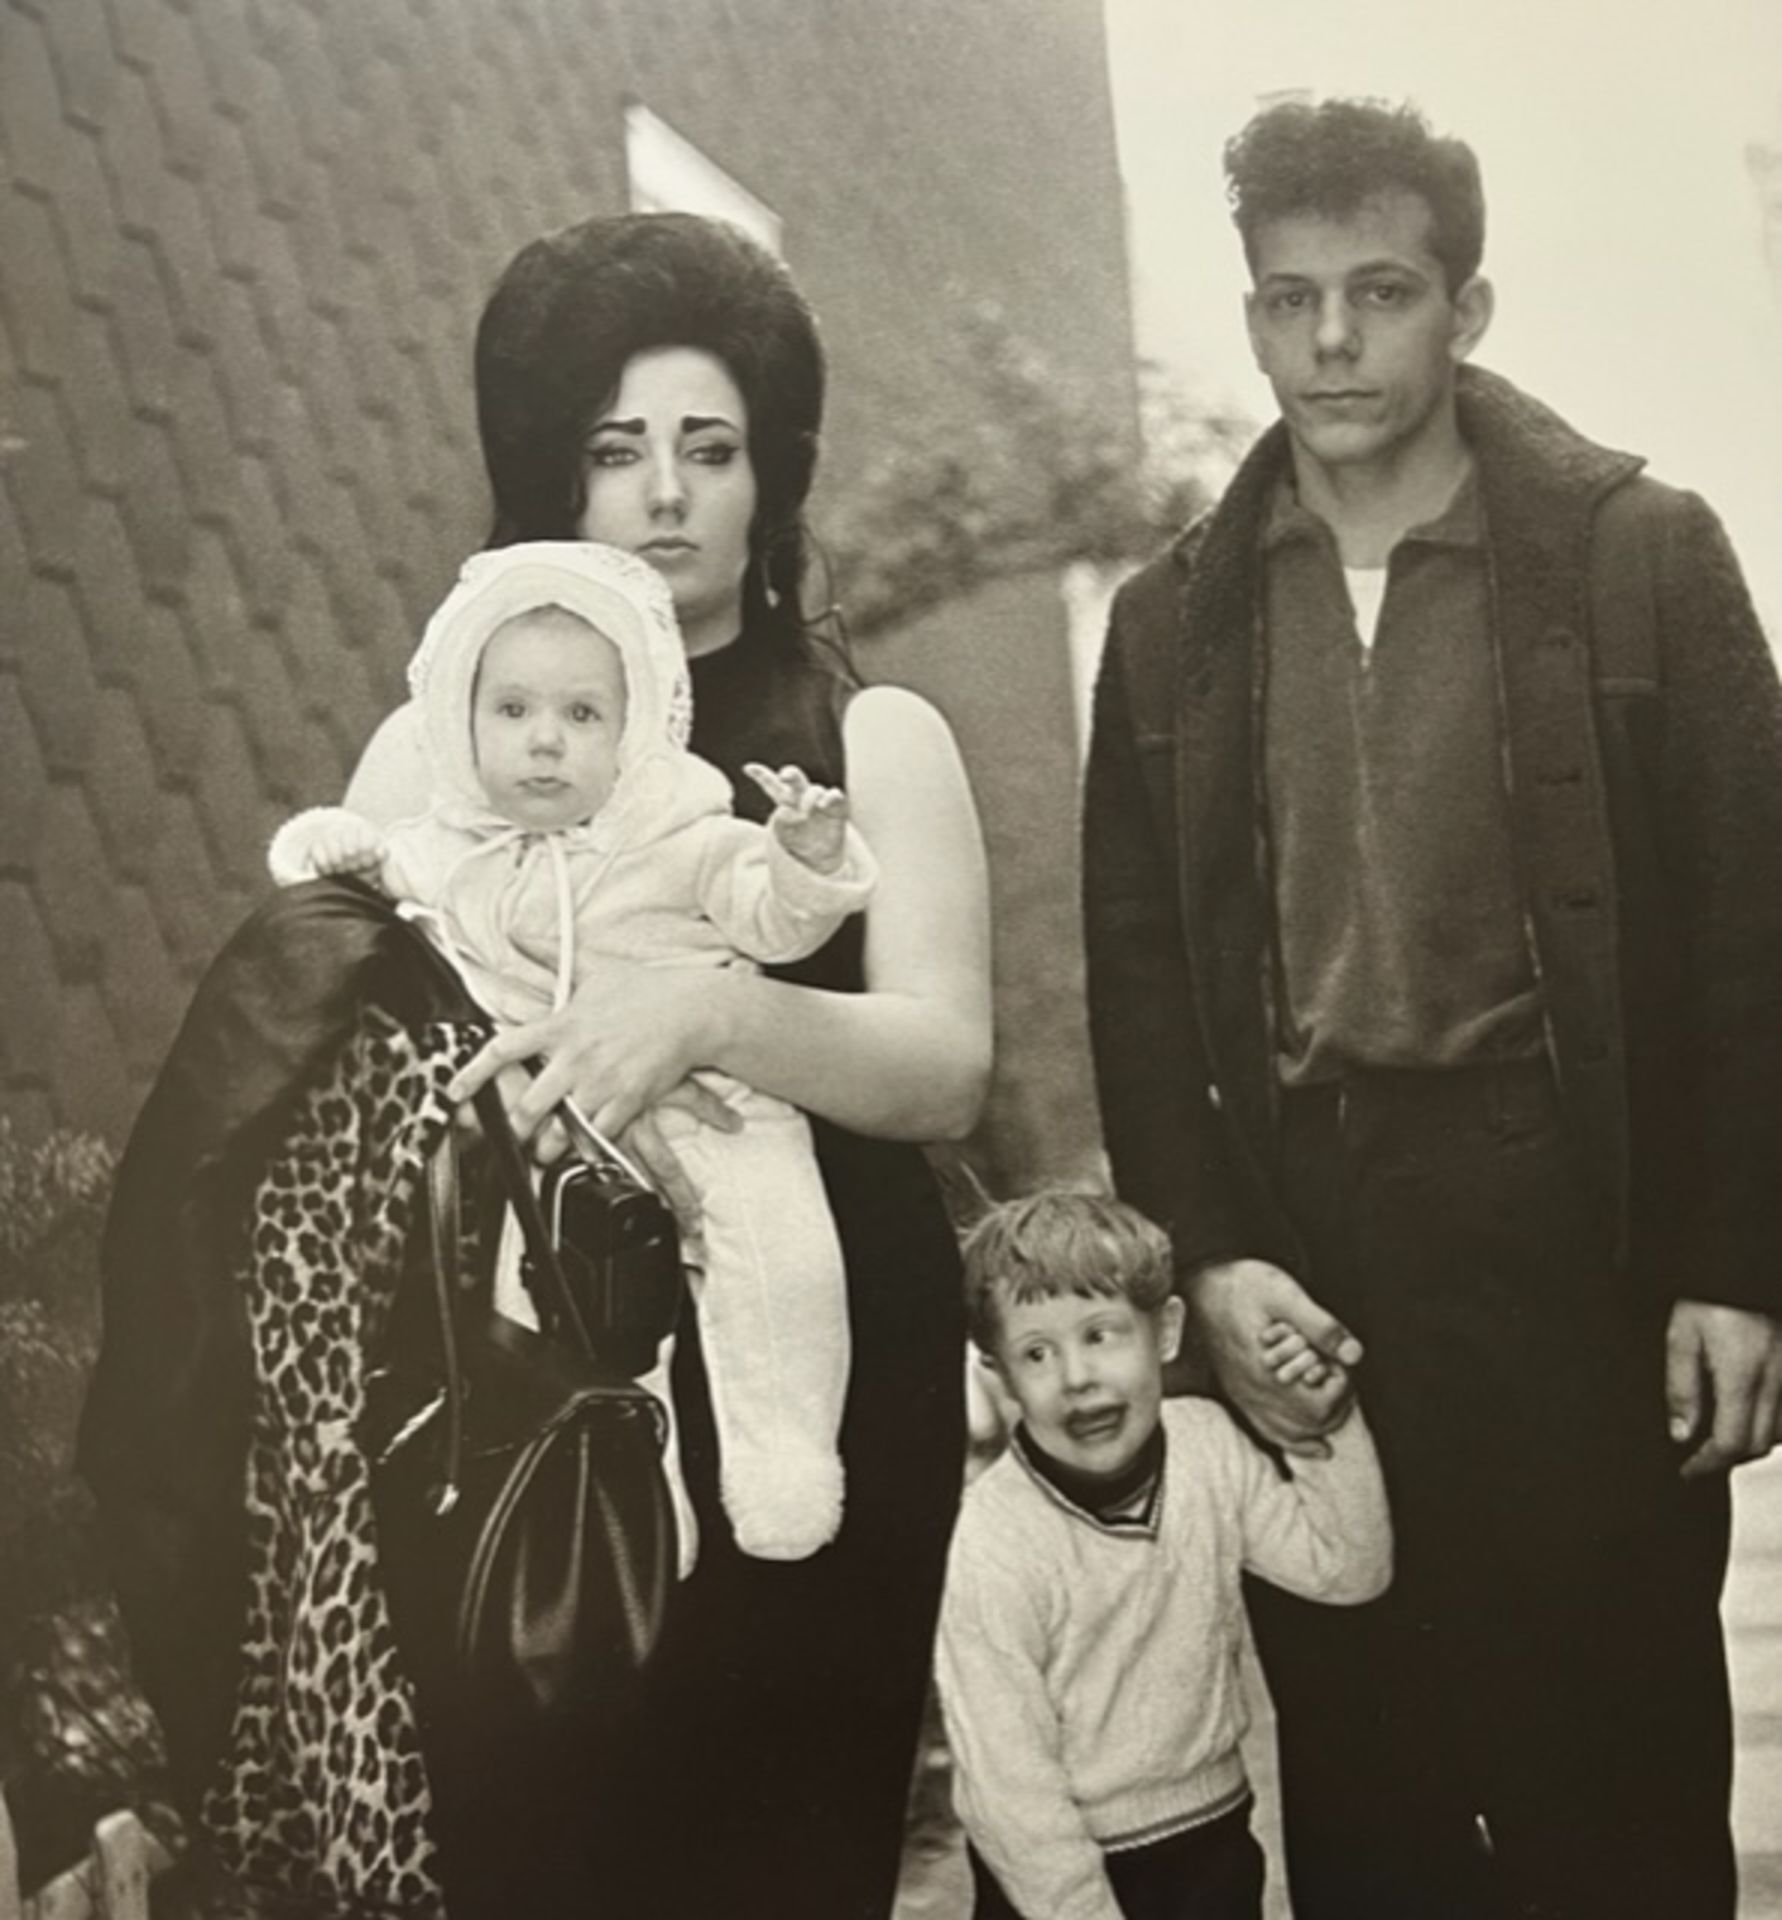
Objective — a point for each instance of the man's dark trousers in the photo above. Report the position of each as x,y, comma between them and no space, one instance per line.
1535,1720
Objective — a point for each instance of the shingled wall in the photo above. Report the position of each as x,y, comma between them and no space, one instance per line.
242,246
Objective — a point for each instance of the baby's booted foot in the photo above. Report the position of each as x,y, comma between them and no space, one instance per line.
784,1503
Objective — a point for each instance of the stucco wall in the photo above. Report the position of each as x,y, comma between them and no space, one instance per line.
242,246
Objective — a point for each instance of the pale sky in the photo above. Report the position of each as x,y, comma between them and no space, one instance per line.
1624,235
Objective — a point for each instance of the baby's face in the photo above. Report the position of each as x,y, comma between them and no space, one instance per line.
1088,1375
546,719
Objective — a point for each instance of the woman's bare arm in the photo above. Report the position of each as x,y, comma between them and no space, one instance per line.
907,1059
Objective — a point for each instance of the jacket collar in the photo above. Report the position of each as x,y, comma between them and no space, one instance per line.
1539,481
1539,484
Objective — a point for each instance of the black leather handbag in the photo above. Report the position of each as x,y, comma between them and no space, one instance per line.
525,1532
620,1252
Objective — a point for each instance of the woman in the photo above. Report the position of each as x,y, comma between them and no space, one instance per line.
655,382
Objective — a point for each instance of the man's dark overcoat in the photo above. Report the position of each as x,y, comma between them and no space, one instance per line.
1640,721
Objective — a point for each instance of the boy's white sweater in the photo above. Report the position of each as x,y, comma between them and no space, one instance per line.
1089,1673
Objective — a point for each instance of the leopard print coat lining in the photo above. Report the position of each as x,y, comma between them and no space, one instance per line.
323,1794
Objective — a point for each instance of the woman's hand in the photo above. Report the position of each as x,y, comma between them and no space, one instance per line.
629,1038
643,1144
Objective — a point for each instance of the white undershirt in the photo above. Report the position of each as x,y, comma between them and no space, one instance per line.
1367,590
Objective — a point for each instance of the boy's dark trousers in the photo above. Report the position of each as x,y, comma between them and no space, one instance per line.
1213,1872
1535,1720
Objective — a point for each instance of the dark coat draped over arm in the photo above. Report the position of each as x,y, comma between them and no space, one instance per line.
164,1434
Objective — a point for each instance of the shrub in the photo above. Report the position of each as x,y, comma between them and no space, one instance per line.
77,1740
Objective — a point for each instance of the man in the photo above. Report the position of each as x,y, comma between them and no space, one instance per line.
1433,892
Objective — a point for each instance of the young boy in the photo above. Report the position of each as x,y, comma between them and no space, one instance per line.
1093,1616
570,822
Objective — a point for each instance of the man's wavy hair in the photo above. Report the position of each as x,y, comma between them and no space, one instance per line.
1328,158
1060,1242
574,306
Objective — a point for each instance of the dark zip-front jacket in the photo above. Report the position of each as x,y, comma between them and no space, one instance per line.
1641,730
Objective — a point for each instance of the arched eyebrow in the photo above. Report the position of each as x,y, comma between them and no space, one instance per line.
690,423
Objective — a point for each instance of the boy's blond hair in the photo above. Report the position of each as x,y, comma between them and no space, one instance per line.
1061,1242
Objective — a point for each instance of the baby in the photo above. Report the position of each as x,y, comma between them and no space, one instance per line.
570,823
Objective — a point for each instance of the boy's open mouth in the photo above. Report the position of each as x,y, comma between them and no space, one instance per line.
1095,1423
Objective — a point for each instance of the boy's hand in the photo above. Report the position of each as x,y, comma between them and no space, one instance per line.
809,821
349,846
1232,1303
1292,1358
1323,1388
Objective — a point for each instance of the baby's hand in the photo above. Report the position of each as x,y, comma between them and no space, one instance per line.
809,821
346,846
1292,1358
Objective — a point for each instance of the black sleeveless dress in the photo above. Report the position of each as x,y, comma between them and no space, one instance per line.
767,1773
771,1780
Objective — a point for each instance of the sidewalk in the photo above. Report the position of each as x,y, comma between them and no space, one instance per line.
935,1884
1753,1613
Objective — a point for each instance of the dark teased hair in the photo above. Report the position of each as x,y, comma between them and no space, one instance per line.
1296,158
1058,1242
574,306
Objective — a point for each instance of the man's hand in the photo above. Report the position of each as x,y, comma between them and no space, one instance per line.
1723,1371
1234,1304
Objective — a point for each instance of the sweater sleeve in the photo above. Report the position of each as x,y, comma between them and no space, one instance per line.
767,904
1318,1528
1010,1786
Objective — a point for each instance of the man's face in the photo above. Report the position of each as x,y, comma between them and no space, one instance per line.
1352,324
1088,1375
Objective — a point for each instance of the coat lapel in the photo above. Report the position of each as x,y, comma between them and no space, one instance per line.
1541,485
1226,909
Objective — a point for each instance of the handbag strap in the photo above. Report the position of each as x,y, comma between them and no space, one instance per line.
552,1297
449,999
443,1232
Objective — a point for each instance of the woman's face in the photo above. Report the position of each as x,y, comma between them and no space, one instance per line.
669,479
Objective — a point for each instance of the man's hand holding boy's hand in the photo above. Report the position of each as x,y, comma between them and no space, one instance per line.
1292,1358
809,821
1293,1386
1325,1386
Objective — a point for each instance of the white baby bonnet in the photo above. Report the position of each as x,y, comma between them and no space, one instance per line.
620,596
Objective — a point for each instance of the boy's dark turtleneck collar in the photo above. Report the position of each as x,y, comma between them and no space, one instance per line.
1123,1496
